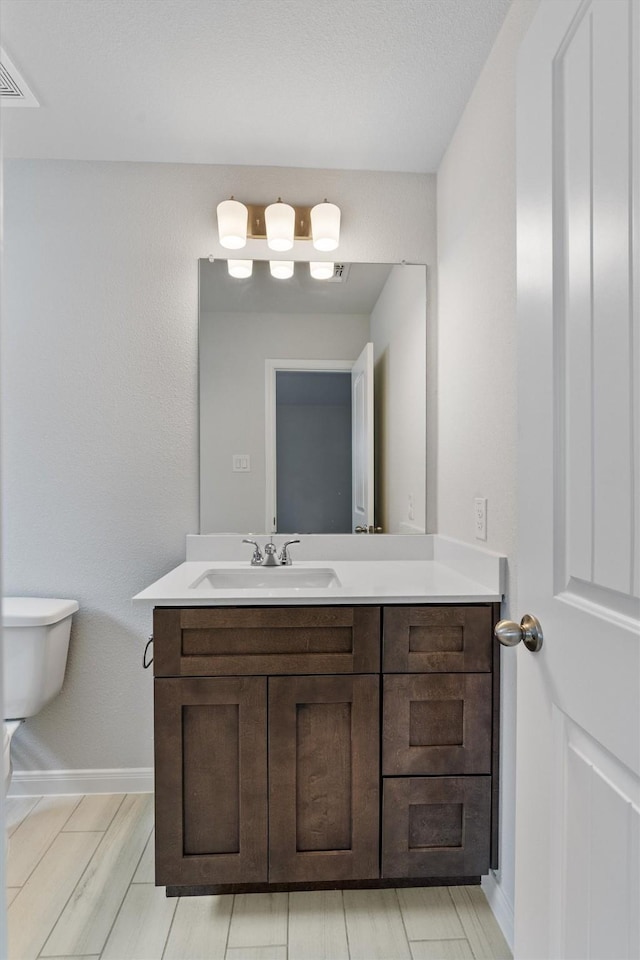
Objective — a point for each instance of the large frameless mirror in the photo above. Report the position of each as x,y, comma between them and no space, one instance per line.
312,399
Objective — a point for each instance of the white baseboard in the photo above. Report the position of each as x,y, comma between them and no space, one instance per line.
501,906
39,783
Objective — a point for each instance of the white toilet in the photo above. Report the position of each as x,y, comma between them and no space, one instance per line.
35,643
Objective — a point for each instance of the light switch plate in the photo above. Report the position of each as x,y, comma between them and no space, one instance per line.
241,463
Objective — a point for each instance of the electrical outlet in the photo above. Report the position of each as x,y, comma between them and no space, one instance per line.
480,516
241,463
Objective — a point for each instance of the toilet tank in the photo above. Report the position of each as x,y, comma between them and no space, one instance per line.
35,644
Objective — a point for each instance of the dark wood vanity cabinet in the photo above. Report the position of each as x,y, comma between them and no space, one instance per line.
324,746
269,778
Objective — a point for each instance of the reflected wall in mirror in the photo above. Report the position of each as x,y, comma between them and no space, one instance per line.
275,362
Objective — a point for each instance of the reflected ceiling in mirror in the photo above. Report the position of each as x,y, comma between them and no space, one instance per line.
354,289
264,447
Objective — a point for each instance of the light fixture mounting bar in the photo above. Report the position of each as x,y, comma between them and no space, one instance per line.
257,230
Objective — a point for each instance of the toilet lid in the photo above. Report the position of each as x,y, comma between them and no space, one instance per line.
35,611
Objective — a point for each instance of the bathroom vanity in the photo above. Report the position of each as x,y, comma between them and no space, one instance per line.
337,736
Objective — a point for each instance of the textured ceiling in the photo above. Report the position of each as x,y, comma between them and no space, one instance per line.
355,84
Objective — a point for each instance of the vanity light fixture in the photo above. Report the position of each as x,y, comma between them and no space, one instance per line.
240,269
232,224
325,226
280,221
281,269
321,270
279,224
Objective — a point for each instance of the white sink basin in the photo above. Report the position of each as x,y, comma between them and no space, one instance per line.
267,578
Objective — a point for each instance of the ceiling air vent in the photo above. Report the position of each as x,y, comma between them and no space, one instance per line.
340,273
14,90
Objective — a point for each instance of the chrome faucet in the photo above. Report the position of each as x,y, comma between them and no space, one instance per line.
270,557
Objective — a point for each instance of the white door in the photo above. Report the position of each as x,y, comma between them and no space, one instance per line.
578,736
362,438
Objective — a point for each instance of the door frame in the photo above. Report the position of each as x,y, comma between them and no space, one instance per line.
271,368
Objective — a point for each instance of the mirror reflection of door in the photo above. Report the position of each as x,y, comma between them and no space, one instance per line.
319,444
313,451
362,501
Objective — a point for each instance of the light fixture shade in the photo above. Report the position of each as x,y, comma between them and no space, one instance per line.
280,220
325,226
281,269
240,269
233,217
321,270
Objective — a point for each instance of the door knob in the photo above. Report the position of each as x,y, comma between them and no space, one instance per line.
528,630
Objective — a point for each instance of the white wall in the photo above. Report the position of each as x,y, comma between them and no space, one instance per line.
398,334
233,350
100,471
476,336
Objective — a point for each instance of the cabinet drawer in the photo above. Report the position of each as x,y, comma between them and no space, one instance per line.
437,639
437,724
240,641
436,826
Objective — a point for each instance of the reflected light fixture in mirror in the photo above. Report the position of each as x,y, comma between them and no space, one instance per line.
321,270
281,269
240,269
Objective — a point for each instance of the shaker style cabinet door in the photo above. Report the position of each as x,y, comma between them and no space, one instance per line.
323,778
211,780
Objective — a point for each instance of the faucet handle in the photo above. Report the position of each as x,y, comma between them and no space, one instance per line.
257,557
285,559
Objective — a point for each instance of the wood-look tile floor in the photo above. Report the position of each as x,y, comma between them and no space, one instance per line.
80,884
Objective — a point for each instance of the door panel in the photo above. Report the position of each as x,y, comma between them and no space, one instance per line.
323,778
211,758
211,780
578,731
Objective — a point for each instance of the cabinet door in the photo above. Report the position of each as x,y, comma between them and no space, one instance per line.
211,780
323,778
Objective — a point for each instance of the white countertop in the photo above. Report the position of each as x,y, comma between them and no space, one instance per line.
362,581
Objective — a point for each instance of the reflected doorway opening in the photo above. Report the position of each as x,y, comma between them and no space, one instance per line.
311,449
